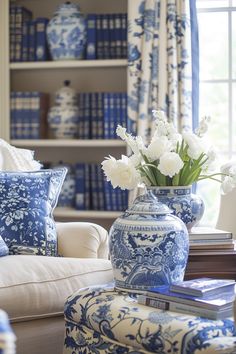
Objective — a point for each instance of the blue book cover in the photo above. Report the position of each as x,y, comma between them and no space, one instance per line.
118,36
112,38
105,37
125,199
106,117
101,197
12,114
87,187
22,15
81,116
19,115
87,115
25,41
32,41
124,36
94,186
202,286
80,186
91,37
111,112
107,187
93,115
35,115
99,43
41,49
100,121
12,31
117,114
123,98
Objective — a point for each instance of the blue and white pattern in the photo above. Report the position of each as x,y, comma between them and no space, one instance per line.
159,63
4,250
100,320
27,202
7,337
67,195
66,33
187,206
148,246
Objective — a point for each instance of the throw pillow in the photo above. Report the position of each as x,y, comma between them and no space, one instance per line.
4,250
27,201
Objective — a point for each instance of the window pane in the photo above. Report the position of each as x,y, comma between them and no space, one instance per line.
214,103
234,43
234,119
213,42
212,3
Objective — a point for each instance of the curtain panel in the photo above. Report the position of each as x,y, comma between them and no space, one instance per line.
162,35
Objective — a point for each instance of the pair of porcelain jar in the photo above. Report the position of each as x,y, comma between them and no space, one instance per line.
63,117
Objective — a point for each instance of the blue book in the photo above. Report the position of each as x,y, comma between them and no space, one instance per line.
116,114
106,115
101,197
25,41
118,37
22,15
112,38
12,114
81,116
100,122
111,110
93,115
124,53
123,98
94,186
12,31
87,187
91,37
41,49
125,199
201,287
105,36
80,186
87,115
19,116
107,187
32,41
99,47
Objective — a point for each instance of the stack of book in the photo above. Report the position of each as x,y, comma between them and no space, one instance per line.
93,192
28,41
207,239
100,113
106,36
204,297
28,114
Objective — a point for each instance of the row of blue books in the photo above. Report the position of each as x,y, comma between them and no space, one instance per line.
106,36
28,40
100,113
28,114
86,188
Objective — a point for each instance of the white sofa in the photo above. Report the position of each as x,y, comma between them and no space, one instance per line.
33,289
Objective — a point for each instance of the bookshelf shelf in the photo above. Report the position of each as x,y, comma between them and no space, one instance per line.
80,214
70,64
68,143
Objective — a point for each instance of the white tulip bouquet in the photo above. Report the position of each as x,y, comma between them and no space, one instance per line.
171,159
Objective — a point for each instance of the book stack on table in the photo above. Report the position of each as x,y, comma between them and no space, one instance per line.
204,297
212,253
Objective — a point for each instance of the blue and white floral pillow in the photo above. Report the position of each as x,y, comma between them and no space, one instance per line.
27,201
4,250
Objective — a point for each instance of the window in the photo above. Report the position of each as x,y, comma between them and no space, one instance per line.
217,50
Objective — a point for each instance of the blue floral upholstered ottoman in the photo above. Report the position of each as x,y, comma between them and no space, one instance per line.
100,320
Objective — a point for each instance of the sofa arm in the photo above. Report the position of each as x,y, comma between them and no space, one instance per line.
82,240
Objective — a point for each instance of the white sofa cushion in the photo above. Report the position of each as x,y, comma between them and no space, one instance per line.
35,287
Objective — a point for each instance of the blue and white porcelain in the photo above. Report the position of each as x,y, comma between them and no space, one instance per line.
63,117
66,33
189,207
67,195
148,245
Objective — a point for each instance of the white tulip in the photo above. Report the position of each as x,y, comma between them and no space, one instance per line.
157,148
170,164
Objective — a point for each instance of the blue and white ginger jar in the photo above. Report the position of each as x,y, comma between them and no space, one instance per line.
188,206
64,115
66,33
148,245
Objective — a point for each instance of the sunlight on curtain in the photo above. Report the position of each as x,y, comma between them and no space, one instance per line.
159,63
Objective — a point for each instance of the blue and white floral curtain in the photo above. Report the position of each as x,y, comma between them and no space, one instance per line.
162,35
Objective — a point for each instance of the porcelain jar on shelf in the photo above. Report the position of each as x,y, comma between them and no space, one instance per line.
148,245
66,33
64,115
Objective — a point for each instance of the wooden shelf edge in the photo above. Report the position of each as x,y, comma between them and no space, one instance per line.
67,143
70,64
73,213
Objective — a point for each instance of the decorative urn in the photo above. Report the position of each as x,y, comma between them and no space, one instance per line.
63,116
148,245
66,33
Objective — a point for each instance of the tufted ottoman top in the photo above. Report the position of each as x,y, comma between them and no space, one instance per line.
101,320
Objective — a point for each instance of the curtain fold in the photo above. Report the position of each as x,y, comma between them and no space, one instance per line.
161,41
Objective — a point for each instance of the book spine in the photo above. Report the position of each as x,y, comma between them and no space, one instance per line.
22,15
100,122
87,187
25,41
80,186
12,32
12,114
99,37
111,110
112,43
81,116
105,35
87,115
101,197
118,36
124,36
41,50
91,37
94,186
178,307
107,194
106,117
93,114
19,128
32,40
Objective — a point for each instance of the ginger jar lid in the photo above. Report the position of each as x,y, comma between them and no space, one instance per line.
68,8
148,204
66,95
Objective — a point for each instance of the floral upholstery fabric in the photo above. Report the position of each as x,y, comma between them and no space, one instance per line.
27,202
100,320
7,337
4,250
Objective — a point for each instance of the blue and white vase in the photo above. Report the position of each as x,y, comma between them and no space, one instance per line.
148,245
189,207
66,33
64,115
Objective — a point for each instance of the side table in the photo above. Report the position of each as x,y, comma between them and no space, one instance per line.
102,321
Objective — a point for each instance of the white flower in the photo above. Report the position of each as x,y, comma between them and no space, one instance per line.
121,173
196,145
170,164
157,147
203,126
121,132
227,185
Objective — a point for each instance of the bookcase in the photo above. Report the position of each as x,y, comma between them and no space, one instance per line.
85,76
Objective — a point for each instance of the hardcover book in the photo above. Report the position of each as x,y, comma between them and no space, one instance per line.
208,233
202,286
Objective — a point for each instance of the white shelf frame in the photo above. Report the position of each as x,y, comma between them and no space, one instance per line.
68,143
64,212
70,64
